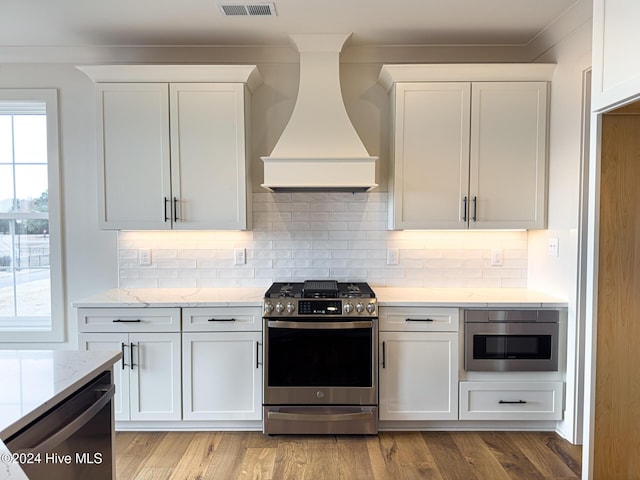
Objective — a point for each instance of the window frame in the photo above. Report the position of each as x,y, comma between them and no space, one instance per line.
57,331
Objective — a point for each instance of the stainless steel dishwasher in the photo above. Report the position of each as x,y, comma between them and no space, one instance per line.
73,440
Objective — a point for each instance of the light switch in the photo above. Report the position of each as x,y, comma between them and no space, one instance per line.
144,257
240,256
392,256
496,257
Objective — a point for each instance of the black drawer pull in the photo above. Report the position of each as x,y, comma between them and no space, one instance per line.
221,320
508,402
419,320
118,320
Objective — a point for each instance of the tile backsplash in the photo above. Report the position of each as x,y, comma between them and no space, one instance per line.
343,236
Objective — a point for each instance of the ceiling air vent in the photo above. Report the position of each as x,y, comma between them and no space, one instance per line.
248,9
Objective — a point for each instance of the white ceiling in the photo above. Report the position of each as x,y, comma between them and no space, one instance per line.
66,23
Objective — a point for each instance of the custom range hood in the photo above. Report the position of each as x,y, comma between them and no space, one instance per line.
319,149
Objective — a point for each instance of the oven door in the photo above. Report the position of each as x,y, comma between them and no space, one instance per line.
316,362
511,346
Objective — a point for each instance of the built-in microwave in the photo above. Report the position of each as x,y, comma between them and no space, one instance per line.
511,340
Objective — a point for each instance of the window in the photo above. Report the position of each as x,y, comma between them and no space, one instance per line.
30,267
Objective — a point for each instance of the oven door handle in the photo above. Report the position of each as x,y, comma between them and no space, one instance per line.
318,417
319,325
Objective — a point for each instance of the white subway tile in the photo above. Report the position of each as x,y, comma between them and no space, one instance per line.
297,236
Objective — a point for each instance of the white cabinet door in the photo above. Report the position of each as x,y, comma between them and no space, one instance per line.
133,152
155,376
431,156
507,187
148,384
469,155
208,168
222,376
418,376
173,156
113,342
616,48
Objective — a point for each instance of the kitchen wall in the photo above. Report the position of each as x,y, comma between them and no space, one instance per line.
297,236
94,259
559,275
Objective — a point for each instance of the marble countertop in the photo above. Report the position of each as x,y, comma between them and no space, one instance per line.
466,297
33,381
174,297
387,296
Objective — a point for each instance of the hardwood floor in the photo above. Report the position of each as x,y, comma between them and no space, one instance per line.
390,455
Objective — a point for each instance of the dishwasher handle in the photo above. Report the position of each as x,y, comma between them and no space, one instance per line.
61,435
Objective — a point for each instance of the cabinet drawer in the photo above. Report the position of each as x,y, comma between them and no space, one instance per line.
129,319
222,319
419,319
511,400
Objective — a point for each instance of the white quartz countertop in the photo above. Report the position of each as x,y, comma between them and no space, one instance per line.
466,297
387,296
33,381
174,297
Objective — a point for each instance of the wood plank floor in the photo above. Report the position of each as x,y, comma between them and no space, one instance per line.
390,455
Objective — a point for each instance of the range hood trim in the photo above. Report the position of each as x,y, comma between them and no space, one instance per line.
320,174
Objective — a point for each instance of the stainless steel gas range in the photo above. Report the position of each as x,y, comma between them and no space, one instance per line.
320,358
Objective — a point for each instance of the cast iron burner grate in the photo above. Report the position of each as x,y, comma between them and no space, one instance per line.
320,289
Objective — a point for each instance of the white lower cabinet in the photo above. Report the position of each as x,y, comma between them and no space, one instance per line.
418,375
148,383
511,400
222,375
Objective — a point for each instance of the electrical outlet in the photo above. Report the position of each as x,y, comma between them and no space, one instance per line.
496,257
144,256
553,247
392,256
240,256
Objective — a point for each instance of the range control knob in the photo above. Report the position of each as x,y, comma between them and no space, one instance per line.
279,307
268,307
371,308
348,308
359,307
290,307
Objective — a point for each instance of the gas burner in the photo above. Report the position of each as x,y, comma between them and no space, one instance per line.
284,290
320,297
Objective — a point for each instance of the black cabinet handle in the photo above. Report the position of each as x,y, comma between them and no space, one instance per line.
119,320
166,201
257,354
124,358
464,211
134,364
221,320
384,355
419,320
175,209
475,209
510,402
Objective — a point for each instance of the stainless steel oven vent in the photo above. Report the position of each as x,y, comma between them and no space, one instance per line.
248,9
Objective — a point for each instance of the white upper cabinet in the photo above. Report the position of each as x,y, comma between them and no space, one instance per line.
208,157
133,154
616,49
507,185
470,152
173,146
431,152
